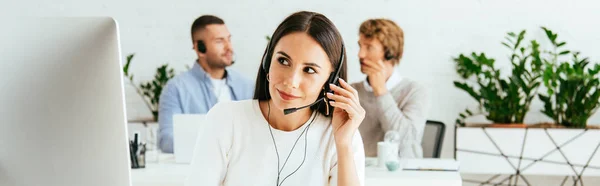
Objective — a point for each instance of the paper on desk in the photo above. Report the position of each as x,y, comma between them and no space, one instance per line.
430,164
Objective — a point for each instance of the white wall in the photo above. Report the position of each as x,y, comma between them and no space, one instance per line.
435,30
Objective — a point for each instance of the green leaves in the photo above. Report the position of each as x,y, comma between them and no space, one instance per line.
126,67
564,52
474,65
150,90
502,100
573,87
462,116
468,89
573,94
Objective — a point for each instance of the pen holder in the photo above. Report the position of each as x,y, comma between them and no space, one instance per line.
137,154
138,161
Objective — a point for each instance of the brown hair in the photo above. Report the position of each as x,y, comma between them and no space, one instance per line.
388,33
317,26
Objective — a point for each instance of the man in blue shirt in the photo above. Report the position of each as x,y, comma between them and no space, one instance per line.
206,83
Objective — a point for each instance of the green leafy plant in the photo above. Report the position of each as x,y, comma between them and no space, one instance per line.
501,100
573,87
150,90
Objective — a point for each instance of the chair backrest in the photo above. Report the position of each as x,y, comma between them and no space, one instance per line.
433,138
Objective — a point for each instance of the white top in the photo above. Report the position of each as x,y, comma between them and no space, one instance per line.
236,148
391,82
221,89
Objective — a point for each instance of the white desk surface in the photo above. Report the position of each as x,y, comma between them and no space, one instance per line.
168,173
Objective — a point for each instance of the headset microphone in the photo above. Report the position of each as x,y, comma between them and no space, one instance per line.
292,110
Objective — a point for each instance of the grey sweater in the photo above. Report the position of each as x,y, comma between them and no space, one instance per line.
402,109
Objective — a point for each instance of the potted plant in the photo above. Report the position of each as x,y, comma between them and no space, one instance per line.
572,97
150,90
573,94
503,100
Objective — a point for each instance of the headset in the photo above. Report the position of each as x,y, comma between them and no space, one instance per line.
201,47
333,79
388,55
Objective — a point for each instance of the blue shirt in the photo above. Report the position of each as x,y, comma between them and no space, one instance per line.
192,93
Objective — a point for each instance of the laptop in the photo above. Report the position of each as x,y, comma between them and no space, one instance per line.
186,128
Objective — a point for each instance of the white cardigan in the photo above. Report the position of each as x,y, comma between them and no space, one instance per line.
236,149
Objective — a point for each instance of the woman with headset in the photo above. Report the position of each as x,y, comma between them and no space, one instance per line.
301,127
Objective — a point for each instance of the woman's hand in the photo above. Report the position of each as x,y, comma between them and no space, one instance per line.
348,113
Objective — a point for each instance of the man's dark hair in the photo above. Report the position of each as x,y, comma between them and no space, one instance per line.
204,21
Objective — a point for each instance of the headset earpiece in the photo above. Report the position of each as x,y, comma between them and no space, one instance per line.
388,55
201,47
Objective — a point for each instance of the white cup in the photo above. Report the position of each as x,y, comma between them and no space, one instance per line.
386,152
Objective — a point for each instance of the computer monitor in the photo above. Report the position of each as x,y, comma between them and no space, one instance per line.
62,109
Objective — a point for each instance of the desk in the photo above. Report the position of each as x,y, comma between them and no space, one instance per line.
168,173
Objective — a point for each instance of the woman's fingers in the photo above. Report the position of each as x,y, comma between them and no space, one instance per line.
348,87
352,113
346,97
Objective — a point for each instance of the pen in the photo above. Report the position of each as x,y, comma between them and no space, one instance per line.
135,143
132,154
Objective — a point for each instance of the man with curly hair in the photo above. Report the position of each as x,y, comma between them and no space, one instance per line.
392,102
